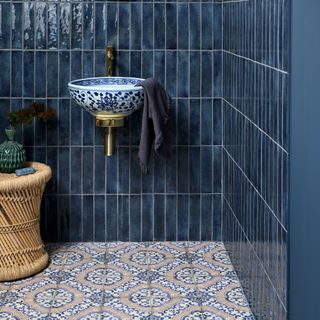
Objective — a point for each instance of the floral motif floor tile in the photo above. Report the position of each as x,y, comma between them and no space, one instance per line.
124,281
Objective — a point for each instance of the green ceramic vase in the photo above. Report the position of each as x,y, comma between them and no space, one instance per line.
12,154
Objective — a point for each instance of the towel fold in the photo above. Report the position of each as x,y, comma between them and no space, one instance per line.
155,125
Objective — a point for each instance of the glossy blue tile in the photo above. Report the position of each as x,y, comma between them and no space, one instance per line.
64,122
4,109
64,170
206,121
147,64
135,66
64,219
183,169
99,218
52,74
159,70
88,219
135,218
52,126
28,74
159,25
195,121
147,32
123,170
52,26
208,17
206,169
99,25
64,74
171,172
147,216
99,171
112,18
183,26
183,217
195,166
87,170
64,25
112,217
16,71
28,27
194,74
40,25
171,69
124,9
76,170
16,26
171,25
88,18
75,219
87,66
171,217
206,79
123,217
135,25
206,217
195,27
195,217
51,218
159,217
5,74
217,26
40,74
183,121
183,79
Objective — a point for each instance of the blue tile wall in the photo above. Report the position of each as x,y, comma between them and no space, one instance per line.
45,44
255,144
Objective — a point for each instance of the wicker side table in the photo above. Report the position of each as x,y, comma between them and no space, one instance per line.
22,252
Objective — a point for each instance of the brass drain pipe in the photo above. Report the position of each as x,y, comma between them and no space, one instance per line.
109,121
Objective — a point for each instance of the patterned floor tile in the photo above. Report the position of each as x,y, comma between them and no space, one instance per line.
117,280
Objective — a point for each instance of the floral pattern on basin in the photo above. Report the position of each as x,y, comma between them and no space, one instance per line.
117,95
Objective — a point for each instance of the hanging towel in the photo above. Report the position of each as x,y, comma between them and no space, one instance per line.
155,126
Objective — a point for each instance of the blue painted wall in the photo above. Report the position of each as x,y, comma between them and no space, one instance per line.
304,219
256,149
45,44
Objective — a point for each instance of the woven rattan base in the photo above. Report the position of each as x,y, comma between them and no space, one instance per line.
22,251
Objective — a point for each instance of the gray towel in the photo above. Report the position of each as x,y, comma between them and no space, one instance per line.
155,124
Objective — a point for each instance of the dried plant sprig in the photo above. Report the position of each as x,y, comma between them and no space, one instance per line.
26,115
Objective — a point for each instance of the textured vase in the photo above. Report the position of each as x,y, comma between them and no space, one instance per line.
12,154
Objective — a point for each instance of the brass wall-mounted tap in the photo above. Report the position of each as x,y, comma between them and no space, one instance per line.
109,61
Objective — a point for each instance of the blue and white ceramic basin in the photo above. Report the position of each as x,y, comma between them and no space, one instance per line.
107,95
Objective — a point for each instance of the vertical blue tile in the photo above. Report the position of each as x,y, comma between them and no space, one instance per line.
76,58
40,25
52,26
52,125
147,184
87,66
135,26
183,121
99,218
88,18
123,216
135,218
195,169
206,169
194,32
4,109
124,25
147,217
64,25
64,170
40,76
76,170
217,26
208,17
147,33
100,69
207,66
111,175
171,69
75,218
194,221
16,26
100,25
183,218
206,217
217,169
100,167
159,70
171,217
171,25
195,121
194,89
206,121
64,219
171,176
112,23
217,74
183,26
87,172
64,122
64,74
51,231
52,74
216,217
159,26
123,63
76,25
88,219
5,74
28,72
147,64
123,170
217,122
183,79
29,17
5,25
159,174
112,217
135,171
159,217
135,65
183,170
